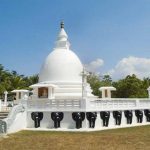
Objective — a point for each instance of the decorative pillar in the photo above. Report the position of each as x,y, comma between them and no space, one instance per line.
24,100
0,104
109,93
5,98
51,92
84,75
17,95
106,91
148,92
103,93
25,97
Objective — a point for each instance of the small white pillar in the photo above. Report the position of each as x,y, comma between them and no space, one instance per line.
5,98
51,92
25,97
106,91
0,104
84,95
148,92
84,75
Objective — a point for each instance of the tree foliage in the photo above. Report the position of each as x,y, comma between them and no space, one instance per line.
12,80
96,82
129,87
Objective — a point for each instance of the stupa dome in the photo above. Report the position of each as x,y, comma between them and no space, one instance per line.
62,64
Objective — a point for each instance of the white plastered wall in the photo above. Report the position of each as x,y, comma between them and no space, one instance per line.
69,123
19,123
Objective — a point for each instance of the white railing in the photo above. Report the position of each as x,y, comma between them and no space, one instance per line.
111,104
6,106
87,104
117,104
47,104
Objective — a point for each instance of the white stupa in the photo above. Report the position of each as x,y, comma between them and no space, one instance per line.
62,71
63,100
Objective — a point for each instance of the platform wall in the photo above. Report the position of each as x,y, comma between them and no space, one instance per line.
69,123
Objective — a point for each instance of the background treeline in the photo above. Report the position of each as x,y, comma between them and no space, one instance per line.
10,80
129,87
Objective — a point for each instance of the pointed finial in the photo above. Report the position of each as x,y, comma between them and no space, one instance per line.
62,24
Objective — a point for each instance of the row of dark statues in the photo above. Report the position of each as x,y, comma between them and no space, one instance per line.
78,117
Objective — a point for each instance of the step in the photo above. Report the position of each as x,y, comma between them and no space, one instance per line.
3,117
3,114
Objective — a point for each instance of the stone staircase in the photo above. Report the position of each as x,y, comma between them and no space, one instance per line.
3,114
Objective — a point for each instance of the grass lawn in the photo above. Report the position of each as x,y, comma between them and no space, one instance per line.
118,139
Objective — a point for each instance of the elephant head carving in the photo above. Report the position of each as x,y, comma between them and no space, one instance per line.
105,115
78,117
37,117
147,114
91,117
129,115
57,118
117,116
139,115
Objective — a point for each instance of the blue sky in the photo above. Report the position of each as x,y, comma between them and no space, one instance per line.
114,31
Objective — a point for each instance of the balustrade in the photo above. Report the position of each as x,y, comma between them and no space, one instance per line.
88,104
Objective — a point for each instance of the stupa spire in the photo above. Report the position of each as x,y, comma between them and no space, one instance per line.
62,24
62,39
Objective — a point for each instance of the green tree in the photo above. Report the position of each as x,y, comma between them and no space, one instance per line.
106,81
94,81
31,80
130,87
12,80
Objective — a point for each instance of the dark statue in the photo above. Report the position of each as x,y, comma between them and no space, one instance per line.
78,117
105,115
57,117
91,117
117,116
147,114
37,117
129,115
139,115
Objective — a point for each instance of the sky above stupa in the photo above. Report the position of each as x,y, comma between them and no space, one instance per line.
109,36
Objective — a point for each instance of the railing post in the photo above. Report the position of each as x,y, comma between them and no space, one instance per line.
84,103
0,105
72,103
137,103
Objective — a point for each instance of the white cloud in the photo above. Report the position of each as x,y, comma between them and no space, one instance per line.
95,65
131,65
